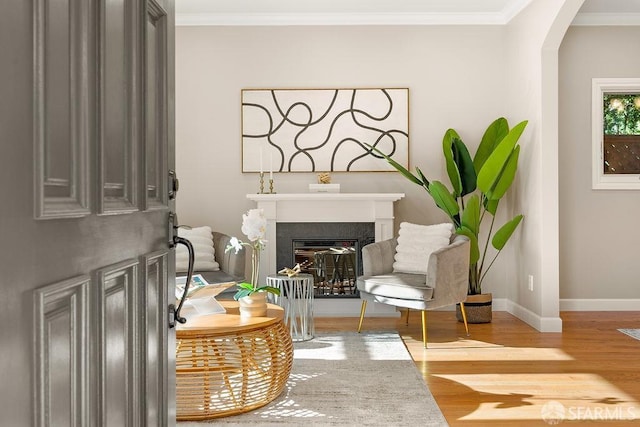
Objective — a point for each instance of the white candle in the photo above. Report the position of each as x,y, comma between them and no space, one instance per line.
271,166
261,159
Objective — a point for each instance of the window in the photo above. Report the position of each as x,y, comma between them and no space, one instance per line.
616,133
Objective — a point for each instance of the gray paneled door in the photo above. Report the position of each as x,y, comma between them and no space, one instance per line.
86,135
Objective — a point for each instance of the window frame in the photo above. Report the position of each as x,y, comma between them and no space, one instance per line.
600,180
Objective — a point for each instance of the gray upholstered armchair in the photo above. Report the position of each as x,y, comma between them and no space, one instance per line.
445,283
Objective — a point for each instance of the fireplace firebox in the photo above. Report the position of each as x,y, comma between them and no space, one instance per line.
330,252
333,265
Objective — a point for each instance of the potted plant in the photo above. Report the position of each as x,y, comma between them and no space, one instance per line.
478,185
252,297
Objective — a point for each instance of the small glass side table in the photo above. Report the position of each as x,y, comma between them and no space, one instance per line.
296,297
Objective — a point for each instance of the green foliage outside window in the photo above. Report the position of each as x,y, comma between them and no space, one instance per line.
621,114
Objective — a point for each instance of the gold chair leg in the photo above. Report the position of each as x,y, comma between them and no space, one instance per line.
424,328
464,317
364,307
407,321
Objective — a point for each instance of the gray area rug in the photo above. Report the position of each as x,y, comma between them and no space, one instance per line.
347,379
635,333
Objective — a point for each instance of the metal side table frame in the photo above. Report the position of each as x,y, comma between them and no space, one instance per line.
296,297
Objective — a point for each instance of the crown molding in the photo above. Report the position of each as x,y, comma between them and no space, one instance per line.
512,9
601,19
287,19
501,17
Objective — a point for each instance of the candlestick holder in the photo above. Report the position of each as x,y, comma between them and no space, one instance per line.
261,183
271,186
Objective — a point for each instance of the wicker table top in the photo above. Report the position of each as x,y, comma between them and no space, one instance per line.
223,324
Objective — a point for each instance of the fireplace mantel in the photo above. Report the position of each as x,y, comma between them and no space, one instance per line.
323,207
331,207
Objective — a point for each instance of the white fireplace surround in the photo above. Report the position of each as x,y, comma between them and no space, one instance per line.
328,207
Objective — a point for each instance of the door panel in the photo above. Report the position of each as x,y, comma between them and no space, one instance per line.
156,111
61,360
118,353
60,121
155,382
85,292
118,31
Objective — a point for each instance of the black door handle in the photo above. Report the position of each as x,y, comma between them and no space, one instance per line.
182,241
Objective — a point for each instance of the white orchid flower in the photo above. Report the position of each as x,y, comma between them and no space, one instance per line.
234,243
254,225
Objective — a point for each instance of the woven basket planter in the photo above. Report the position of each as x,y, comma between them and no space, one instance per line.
479,309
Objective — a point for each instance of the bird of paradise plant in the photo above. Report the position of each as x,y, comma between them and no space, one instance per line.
478,185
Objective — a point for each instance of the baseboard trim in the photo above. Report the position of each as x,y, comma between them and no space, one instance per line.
350,307
542,324
600,305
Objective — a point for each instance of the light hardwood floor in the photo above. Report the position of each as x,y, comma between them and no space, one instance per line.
507,373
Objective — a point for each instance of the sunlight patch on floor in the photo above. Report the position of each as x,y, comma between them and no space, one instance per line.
526,396
467,349
441,354
323,351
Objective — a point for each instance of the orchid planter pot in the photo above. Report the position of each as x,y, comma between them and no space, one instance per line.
254,305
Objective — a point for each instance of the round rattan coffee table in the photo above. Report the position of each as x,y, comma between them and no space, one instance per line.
227,364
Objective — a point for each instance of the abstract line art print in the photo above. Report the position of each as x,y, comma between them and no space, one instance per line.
316,130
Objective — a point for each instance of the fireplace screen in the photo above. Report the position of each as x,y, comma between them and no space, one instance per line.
333,264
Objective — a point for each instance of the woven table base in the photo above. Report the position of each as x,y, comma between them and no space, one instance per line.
243,370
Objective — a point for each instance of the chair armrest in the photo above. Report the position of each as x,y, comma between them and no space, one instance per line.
448,273
231,263
378,257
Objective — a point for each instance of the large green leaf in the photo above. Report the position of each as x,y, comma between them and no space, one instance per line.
491,206
471,215
425,181
444,200
448,148
506,177
460,169
411,177
493,167
504,233
474,253
465,167
490,140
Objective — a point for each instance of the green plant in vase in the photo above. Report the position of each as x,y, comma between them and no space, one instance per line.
477,186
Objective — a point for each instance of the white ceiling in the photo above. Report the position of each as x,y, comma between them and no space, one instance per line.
354,12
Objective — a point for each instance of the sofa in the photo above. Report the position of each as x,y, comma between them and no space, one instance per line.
213,263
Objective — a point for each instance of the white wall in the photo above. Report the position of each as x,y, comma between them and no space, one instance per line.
461,77
455,77
598,229
534,39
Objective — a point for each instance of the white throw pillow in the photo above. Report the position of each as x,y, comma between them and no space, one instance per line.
202,241
416,243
